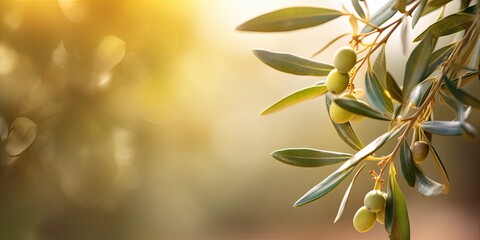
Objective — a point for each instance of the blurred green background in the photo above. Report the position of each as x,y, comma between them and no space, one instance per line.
146,123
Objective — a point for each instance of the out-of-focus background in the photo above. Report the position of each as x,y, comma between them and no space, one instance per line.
140,120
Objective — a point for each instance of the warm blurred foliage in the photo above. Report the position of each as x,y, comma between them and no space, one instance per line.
139,120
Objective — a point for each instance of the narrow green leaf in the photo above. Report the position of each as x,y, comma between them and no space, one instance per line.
446,128
462,95
396,213
360,108
407,165
289,19
434,5
380,16
420,92
464,80
358,8
447,25
426,186
296,97
380,67
418,13
376,93
393,88
344,201
292,64
437,58
343,171
307,157
416,64
441,170
345,130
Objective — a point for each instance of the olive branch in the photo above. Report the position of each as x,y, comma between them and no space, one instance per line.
432,73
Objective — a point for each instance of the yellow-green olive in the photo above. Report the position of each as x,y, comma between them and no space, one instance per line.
374,201
337,82
338,114
420,151
364,220
344,60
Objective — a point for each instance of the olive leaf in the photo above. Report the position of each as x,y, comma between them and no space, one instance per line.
23,132
358,8
292,64
360,108
447,25
380,66
344,201
446,128
418,12
407,164
420,92
434,5
462,95
296,97
396,213
307,157
416,64
345,130
464,80
343,171
441,170
289,19
380,16
376,93
393,88
426,186
437,58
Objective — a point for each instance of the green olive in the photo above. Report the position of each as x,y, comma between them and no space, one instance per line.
344,60
337,82
374,201
381,216
364,220
420,151
338,114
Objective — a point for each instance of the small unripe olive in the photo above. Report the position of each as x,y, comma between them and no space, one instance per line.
337,82
381,216
374,201
338,114
344,60
364,220
420,151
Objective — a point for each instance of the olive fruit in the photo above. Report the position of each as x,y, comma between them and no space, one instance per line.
337,82
381,216
364,220
344,59
338,114
374,201
420,151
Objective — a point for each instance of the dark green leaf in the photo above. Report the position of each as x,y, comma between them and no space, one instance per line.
376,93
426,186
307,157
441,170
418,13
462,95
434,5
464,4
447,25
343,171
289,19
292,64
416,64
393,88
464,80
345,130
296,97
437,58
358,8
380,67
360,108
420,92
443,127
346,195
396,214
380,16
407,165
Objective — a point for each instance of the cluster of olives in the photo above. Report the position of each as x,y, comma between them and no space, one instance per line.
420,151
373,210
337,82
